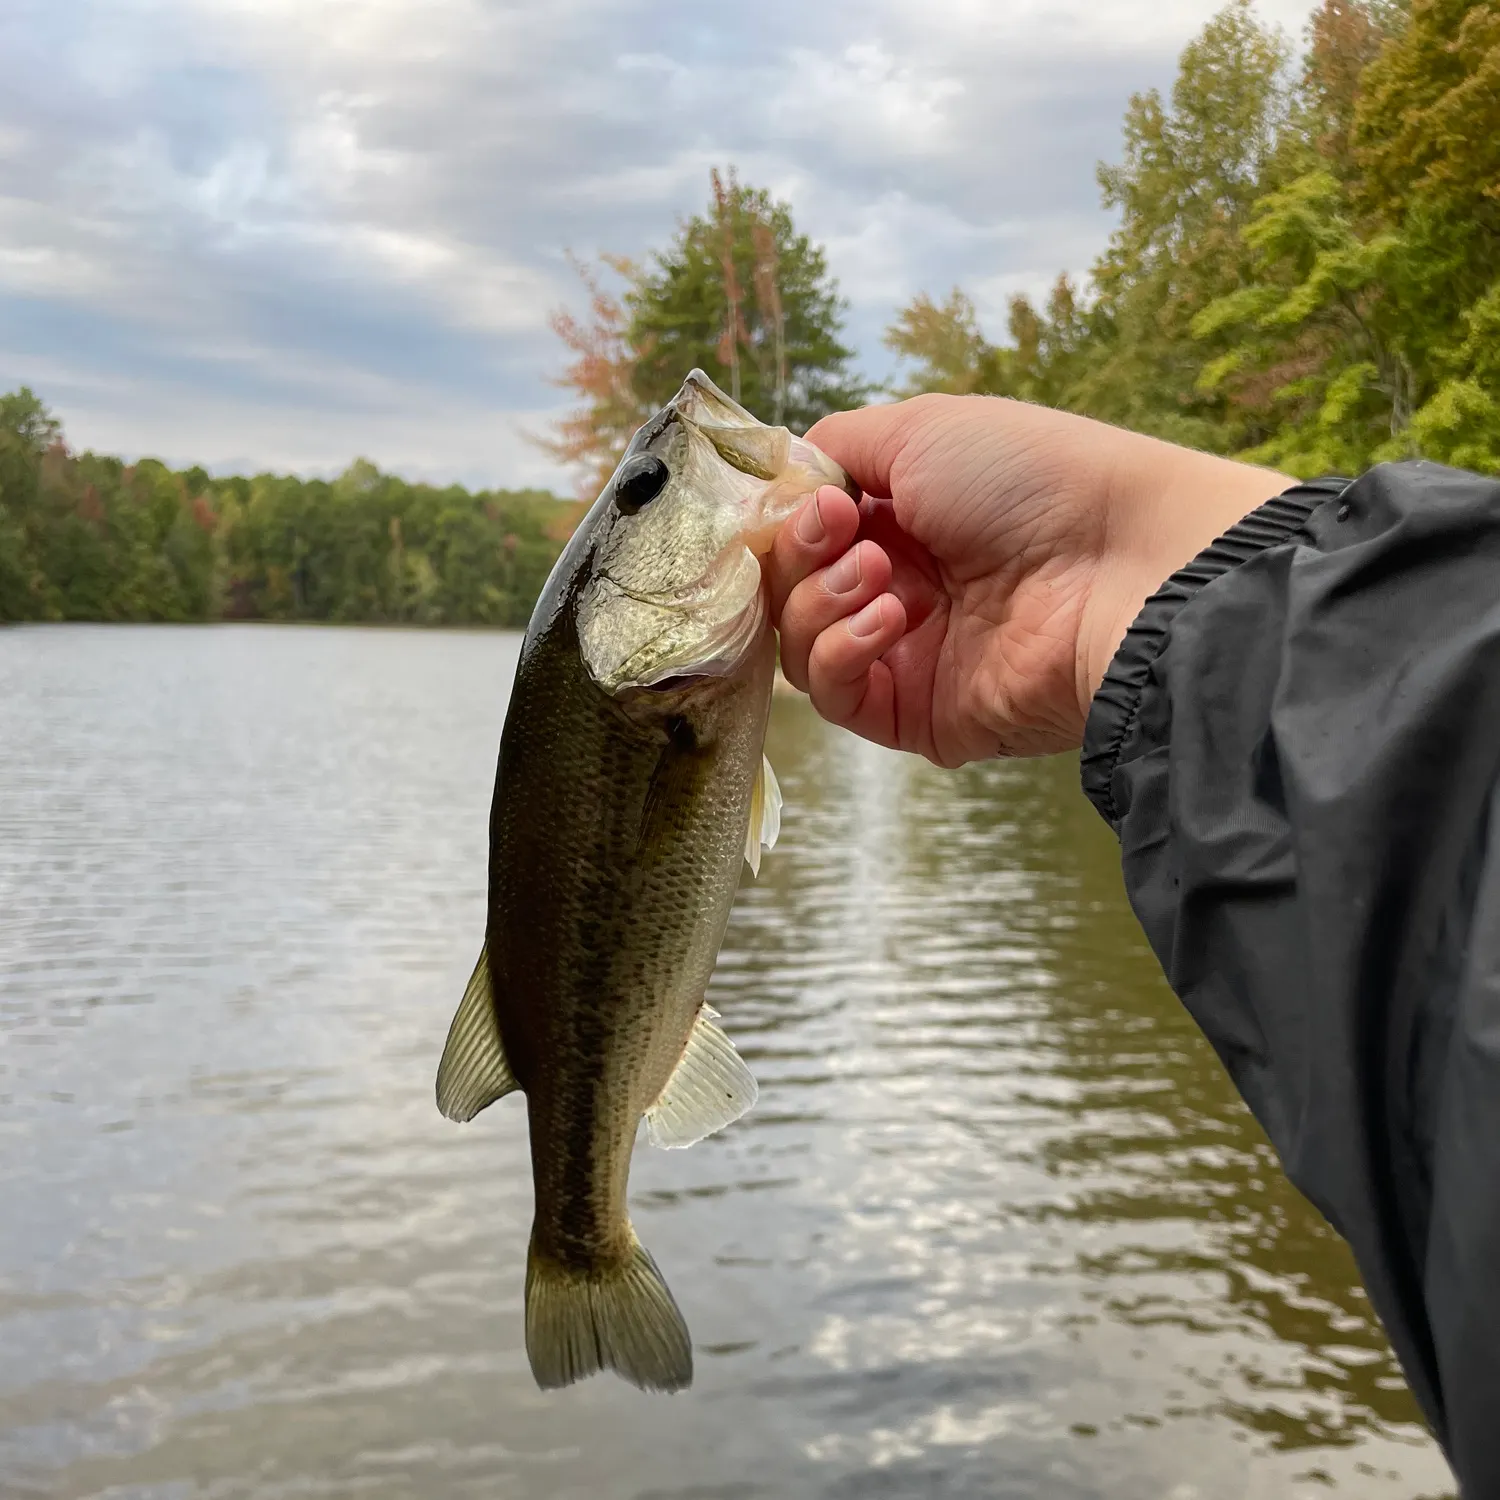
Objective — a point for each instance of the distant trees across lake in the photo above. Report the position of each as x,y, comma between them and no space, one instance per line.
88,537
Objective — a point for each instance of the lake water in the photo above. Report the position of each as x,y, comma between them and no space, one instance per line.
998,1226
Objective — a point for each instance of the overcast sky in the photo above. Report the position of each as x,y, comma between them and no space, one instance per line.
278,233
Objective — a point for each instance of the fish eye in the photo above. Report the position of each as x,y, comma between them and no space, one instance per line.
640,482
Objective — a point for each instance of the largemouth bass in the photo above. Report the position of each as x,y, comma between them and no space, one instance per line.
632,784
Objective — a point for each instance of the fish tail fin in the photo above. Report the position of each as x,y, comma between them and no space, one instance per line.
622,1319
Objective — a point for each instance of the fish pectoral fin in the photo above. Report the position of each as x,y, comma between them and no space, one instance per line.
765,816
474,1071
709,1088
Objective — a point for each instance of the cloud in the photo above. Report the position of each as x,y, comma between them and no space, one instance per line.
279,232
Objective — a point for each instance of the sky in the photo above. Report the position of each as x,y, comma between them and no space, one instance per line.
275,234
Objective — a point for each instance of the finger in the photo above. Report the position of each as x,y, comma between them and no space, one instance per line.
812,537
870,441
916,579
847,681
828,596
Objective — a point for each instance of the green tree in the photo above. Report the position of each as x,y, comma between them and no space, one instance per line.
27,431
1365,328
697,304
1320,345
1191,171
1306,269
1124,349
738,292
86,537
1047,356
944,342
1427,139
1052,350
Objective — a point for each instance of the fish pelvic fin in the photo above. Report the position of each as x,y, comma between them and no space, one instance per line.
474,1071
765,816
622,1319
709,1088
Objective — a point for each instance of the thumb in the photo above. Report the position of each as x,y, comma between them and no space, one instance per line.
870,441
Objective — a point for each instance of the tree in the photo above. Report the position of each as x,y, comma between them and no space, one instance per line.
1051,350
944,341
1319,342
739,293
1427,139
1306,271
86,537
1366,324
601,374
27,431
1125,349
697,304
1191,171
1343,38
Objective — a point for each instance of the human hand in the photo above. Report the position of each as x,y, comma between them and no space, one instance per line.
970,604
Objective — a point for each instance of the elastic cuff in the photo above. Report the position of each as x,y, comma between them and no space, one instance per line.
1113,711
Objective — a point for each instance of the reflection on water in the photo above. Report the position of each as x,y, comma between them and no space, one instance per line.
997,1227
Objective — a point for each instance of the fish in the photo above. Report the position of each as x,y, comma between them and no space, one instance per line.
631,788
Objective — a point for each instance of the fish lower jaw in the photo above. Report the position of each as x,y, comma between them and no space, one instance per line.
672,697
679,682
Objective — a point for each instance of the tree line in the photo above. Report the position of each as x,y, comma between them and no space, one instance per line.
1306,268
88,537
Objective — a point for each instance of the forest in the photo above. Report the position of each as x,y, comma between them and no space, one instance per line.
1304,272
84,537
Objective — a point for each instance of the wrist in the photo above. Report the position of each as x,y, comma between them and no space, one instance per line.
1165,505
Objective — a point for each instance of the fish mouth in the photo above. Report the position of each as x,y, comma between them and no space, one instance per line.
686,679
679,682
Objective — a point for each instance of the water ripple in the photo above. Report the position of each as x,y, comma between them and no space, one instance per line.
998,1226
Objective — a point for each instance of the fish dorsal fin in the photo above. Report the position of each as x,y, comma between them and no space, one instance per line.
474,1072
765,816
709,1088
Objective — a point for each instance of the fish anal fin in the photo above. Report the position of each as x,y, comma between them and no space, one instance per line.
474,1071
710,1088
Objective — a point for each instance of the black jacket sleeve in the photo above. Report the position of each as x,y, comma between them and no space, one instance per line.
1298,744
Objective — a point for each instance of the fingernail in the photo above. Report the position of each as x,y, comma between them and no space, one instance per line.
867,621
810,526
844,574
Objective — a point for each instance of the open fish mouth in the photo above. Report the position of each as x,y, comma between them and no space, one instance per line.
680,682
